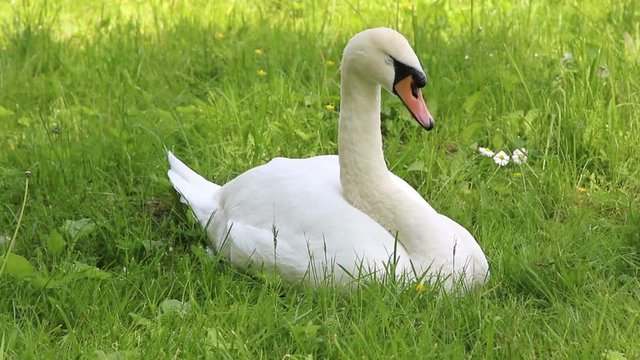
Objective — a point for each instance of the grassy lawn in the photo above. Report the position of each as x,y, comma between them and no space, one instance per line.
107,264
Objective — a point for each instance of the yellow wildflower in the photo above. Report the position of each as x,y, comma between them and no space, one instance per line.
582,189
258,52
421,288
330,107
261,73
517,174
329,63
406,5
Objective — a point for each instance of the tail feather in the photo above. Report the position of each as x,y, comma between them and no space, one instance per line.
194,190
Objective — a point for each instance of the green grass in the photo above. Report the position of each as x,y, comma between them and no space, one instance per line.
92,92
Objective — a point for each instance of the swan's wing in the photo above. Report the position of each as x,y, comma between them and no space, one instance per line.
256,248
290,214
408,189
465,254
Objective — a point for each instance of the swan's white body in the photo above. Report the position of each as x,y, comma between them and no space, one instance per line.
336,219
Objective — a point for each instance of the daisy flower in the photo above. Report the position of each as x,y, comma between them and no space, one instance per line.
486,152
519,156
501,158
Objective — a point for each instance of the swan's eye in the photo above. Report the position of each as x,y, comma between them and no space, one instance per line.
414,89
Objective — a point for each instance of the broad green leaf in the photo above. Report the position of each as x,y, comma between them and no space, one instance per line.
116,355
531,119
77,229
470,102
632,49
5,113
55,242
91,272
217,341
187,110
417,165
140,320
472,132
304,136
173,305
614,355
497,142
41,281
150,245
310,329
20,267
311,99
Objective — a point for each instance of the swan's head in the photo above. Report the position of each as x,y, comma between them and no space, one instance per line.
383,56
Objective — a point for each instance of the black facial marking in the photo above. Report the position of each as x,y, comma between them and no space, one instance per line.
403,70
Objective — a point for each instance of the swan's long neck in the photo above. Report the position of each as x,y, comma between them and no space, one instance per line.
359,136
366,181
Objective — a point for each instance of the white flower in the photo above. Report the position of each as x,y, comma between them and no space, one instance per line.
519,156
501,158
485,152
566,58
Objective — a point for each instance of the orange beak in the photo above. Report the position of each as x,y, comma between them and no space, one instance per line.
411,96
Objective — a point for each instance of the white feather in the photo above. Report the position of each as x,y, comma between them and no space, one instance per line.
195,191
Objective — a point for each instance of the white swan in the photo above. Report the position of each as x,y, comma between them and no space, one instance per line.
338,217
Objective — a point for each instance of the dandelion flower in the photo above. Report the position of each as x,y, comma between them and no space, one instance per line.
406,5
486,152
330,107
261,73
219,36
519,156
329,63
421,288
501,158
258,52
